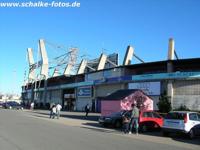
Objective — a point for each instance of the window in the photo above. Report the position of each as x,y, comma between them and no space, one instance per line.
198,115
176,115
147,114
155,115
193,116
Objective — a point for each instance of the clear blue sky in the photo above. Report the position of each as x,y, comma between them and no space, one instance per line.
111,24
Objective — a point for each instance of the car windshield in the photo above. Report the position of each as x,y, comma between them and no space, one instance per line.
176,115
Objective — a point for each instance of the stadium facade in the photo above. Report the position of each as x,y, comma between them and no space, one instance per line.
180,78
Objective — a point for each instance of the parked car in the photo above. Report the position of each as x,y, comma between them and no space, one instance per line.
6,105
147,120
12,105
150,120
115,119
1,104
182,121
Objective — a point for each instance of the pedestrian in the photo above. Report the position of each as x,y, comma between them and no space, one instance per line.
53,111
126,122
87,109
134,119
58,108
32,106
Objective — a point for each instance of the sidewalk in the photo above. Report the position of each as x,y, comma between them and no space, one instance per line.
68,118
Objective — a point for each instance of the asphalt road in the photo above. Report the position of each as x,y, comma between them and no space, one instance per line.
24,130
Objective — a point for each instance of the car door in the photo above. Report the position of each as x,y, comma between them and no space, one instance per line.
194,120
146,116
157,118
197,127
174,120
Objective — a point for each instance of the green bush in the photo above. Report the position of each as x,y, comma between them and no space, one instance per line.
183,108
164,105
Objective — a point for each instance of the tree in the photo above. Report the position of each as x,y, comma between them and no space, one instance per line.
164,105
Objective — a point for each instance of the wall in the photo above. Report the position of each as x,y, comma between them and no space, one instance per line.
81,102
155,101
108,107
116,72
186,92
84,95
105,90
54,96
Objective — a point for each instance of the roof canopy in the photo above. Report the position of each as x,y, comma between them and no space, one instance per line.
121,94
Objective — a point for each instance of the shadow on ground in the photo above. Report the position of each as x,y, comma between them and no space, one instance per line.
185,139
97,127
176,137
157,133
76,115
81,117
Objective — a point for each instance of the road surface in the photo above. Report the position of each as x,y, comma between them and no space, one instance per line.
25,130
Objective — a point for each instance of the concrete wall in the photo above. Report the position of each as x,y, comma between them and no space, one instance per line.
155,101
81,102
54,96
103,74
192,102
187,92
105,90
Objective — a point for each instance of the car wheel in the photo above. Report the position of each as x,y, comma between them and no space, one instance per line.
165,133
118,124
144,128
104,125
191,134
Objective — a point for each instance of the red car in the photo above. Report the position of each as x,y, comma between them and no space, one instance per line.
150,120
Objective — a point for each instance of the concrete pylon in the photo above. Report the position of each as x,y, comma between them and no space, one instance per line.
128,56
45,64
55,73
102,62
67,70
171,52
31,74
82,67
171,49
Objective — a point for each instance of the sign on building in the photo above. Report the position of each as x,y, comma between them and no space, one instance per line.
150,88
85,91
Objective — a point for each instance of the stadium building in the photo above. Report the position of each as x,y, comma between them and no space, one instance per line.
98,78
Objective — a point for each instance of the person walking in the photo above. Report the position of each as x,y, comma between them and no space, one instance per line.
32,106
134,119
53,111
58,108
87,109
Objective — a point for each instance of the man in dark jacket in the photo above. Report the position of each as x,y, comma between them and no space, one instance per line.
87,109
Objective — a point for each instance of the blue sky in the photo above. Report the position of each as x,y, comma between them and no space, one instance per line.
110,24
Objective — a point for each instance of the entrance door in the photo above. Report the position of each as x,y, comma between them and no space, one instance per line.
68,99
